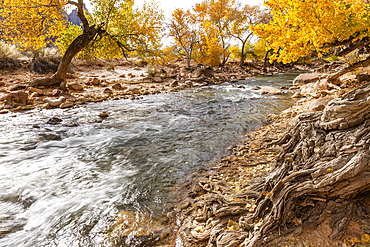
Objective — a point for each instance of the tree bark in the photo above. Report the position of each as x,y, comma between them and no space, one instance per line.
334,77
75,47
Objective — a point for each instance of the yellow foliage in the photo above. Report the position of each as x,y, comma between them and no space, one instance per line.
31,23
302,26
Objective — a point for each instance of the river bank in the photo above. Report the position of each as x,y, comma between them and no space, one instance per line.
212,202
99,80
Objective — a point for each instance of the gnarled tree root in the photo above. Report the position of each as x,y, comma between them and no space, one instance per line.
322,172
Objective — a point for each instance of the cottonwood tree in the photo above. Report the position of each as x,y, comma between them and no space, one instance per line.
183,28
115,22
302,27
240,27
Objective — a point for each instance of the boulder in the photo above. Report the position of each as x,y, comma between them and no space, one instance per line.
74,86
103,114
320,104
4,111
306,78
55,92
174,83
66,104
256,88
16,98
32,89
363,76
108,91
270,90
95,82
117,86
53,102
297,95
188,83
157,79
134,90
310,89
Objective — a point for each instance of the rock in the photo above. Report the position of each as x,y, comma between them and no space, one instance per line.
174,83
74,86
283,87
108,91
134,90
157,79
66,104
95,82
297,95
306,78
18,87
363,76
123,76
256,88
320,104
55,92
54,102
270,90
32,89
103,114
54,120
4,111
16,98
40,92
188,83
117,86
46,106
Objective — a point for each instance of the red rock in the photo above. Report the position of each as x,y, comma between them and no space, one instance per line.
95,82
40,93
123,76
34,95
16,98
108,91
117,86
55,92
74,86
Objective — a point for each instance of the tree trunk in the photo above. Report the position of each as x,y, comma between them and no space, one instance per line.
243,55
76,46
334,77
266,60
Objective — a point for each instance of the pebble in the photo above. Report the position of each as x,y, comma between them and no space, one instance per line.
103,114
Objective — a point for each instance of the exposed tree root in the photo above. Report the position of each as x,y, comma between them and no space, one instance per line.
321,172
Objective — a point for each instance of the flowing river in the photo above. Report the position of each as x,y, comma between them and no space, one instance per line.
85,182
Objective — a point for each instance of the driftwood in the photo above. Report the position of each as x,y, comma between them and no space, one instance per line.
322,172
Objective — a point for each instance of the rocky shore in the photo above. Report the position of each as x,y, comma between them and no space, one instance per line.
214,206
106,80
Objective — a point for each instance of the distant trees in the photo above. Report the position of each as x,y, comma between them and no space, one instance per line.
205,32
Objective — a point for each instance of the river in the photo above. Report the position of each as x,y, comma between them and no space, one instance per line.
77,182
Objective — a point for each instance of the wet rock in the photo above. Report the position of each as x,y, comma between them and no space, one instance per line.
53,102
134,90
74,86
363,76
34,95
55,92
306,78
16,98
157,79
54,120
117,86
270,90
4,111
95,82
320,104
67,104
283,87
18,87
310,89
174,83
256,88
188,83
108,91
297,95
103,114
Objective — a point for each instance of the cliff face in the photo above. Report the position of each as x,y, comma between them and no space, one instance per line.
73,18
